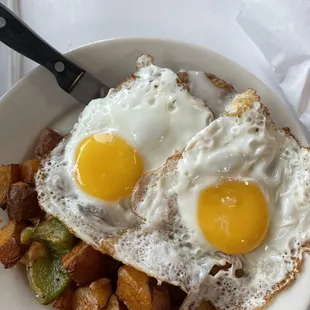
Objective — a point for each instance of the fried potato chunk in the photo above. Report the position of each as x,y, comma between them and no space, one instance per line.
95,296
134,289
160,298
11,249
48,140
22,202
115,304
64,302
85,264
28,170
9,174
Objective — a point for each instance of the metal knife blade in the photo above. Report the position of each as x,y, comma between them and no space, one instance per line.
70,77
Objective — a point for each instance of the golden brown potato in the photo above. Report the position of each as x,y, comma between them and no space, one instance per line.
9,174
115,304
64,302
85,264
11,249
93,297
22,202
48,140
134,290
28,170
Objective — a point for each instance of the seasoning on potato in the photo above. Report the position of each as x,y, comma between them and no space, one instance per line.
9,174
11,249
94,296
28,170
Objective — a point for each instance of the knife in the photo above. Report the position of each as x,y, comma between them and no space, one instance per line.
70,77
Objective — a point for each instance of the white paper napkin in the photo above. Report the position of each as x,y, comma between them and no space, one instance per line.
281,29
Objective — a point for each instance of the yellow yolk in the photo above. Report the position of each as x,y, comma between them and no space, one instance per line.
233,216
107,167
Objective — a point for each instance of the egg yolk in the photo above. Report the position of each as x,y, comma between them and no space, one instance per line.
233,216
107,167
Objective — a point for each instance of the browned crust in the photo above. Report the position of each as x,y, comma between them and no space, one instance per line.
127,83
183,80
243,102
144,60
289,134
218,82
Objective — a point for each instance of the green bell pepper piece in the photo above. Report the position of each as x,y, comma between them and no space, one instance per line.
46,275
55,235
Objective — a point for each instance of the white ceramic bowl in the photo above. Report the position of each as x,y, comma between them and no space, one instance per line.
36,102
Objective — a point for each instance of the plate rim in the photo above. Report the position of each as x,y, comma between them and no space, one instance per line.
204,49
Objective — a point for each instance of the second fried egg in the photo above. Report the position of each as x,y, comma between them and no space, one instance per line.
236,197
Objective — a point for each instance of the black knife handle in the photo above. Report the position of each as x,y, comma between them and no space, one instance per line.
18,36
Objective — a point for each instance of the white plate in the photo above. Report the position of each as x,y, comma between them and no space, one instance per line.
37,102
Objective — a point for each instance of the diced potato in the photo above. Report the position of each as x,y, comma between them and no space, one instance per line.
160,298
11,249
48,140
28,170
64,302
115,304
134,290
93,297
85,264
22,202
9,174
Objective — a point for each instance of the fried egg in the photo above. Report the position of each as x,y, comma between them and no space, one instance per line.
237,197
87,180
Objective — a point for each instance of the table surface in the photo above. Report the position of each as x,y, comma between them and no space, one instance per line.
71,23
